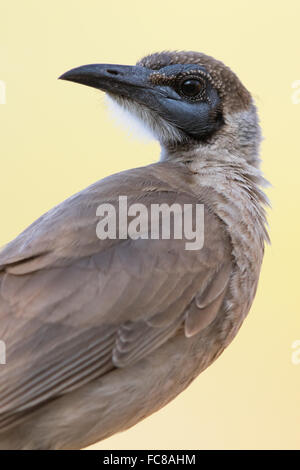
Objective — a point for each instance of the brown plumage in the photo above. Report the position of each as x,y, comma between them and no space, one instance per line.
102,333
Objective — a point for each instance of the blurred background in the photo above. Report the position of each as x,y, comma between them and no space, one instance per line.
56,138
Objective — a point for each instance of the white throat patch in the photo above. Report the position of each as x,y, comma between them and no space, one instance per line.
142,121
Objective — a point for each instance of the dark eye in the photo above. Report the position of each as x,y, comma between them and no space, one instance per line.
191,87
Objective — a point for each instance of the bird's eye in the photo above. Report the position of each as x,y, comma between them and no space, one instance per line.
191,87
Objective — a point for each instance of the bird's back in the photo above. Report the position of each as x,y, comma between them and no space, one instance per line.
76,310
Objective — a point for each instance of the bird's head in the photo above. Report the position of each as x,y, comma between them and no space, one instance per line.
186,99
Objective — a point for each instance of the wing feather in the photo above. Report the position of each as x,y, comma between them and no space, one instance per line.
73,307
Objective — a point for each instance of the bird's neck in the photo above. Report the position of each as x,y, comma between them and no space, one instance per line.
236,192
238,139
226,168
228,162
234,189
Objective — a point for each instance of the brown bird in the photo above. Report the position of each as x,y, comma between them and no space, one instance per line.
100,333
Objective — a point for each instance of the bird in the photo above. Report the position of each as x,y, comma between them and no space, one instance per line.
101,333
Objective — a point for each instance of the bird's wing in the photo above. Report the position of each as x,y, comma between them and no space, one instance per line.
73,307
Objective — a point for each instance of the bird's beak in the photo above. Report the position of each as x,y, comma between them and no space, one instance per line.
123,80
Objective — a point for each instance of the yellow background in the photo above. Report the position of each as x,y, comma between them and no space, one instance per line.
56,138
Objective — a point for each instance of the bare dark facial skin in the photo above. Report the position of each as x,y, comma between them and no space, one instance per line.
194,104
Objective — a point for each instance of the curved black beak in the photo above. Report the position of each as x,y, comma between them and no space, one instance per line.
124,80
